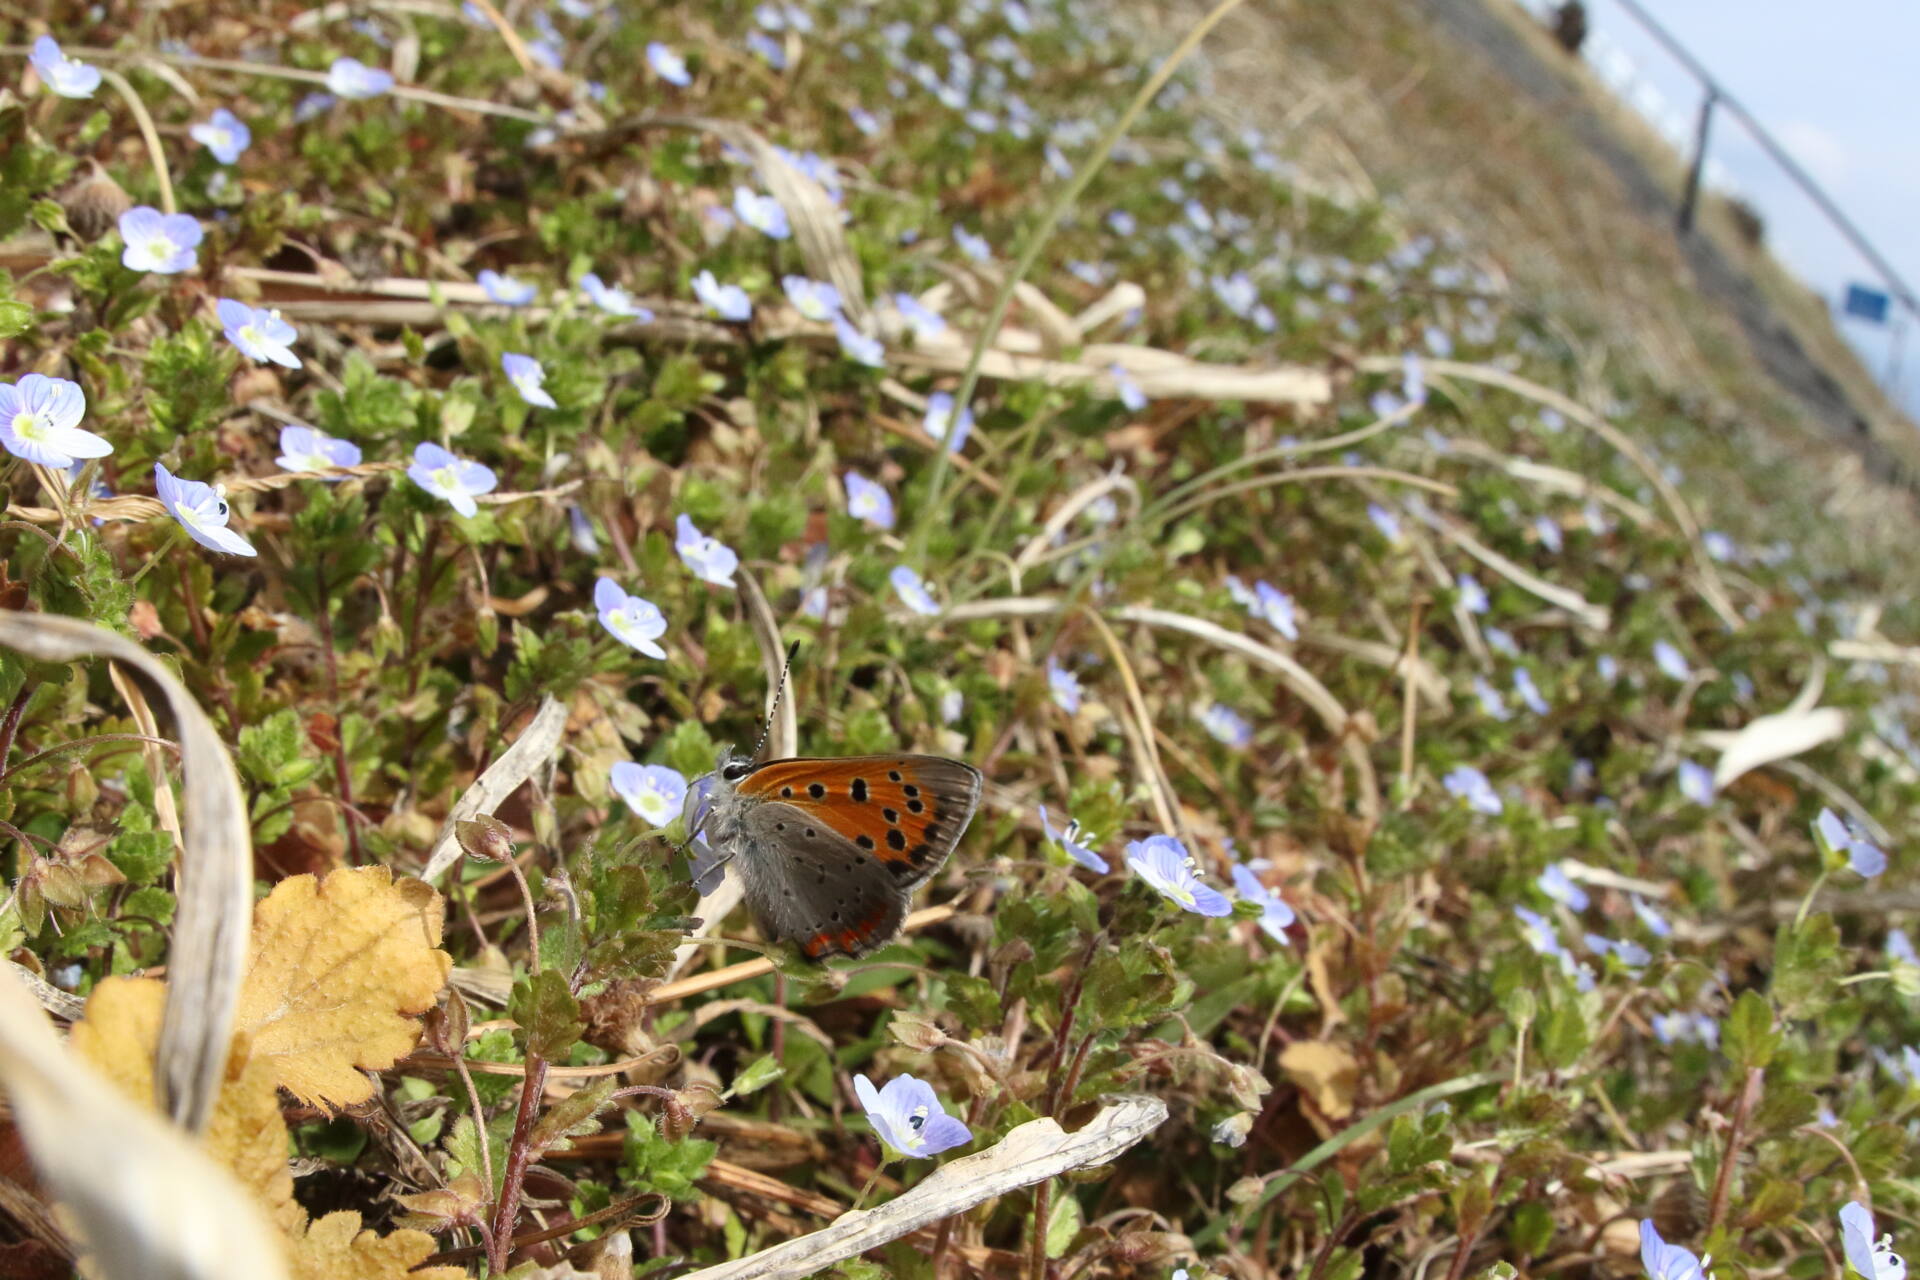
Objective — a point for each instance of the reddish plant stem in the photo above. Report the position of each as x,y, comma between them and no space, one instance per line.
342,775
205,644
1037,1252
1459,1266
1736,1138
10,723
1334,1237
519,1157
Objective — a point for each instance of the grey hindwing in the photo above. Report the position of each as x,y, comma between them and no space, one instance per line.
805,883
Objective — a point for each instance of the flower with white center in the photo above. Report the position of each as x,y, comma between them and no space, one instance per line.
908,1119
1164,863
1501,642
580,531
1275,914
1275,608
1665,1261
201,511
260,333
1696,782
1670,661
1685,1028
728,301
611,299
1065,687
1072,841
40,422
224,134
952,704
634,622
1539,933
1718,545
653,791
1655,923
303,448
1491,701
1237,591
1528,692
351,78
925,322
1385,521
1473,597
446,476
68,77
813,299
710,559
527,377
768,48
667,64
1871,1256
868,501
1472,787
1226,725
162,243
1836,836
763,213
1558,885
1129,392
975,247
859,347
505,290
1900,948
939,418
907,584
1607,667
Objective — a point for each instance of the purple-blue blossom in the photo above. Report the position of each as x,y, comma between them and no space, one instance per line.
304,448
1473,597
1696,782
1558,885
859,347
68,77
201,511
351,78
1072,841
1670,661
1226,725
1665,1261
710,559
528,378
1869,1253
975,247
925,322
1491,700
40,422
813,299
1528,692
939,418
633,621
612,299
1275,607
1128,391
1655,923
908,1118
162,243
907,584
1836,836
653,791
1065,688
761,212
224,134
260,333
444,475
1385,521
1471,786
728,301
868,501
505,290
1275,914
1164,863
667,64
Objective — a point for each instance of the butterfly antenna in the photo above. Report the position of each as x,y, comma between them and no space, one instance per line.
773,709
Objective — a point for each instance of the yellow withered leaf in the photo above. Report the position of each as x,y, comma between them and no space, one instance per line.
1326,1072
245,1133
339,966
335,1248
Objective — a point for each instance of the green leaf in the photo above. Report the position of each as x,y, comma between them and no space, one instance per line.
141,853
547,1013
1064,1221
15,318
1806,965
652,1162
760,1073
1748,1037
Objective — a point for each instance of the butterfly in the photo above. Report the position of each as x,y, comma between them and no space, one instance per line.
829,851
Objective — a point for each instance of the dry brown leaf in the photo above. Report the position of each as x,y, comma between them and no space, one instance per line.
335,1248
245,1134
338,967
1326,1072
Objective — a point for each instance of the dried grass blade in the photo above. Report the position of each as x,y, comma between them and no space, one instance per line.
533,748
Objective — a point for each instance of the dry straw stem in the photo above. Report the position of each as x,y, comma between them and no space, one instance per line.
214,886
532,749
1033,1152
150,1205
1587,613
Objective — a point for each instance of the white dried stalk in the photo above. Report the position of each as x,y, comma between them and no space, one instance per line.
534,747
149,1203
207,954
1584,611
1033,1152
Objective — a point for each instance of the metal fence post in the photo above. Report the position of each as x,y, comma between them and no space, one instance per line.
1691,195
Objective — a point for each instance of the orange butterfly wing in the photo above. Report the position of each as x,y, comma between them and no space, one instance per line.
907,811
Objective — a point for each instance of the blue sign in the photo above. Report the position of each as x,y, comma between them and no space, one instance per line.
1863,303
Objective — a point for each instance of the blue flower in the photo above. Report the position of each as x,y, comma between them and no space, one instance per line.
224,134
763,213
580,531
445,476
505,290
910,589
1665,1261
1696,782
302,448
1122,223
1558,885
1870,1255
612,299
813,299
1836,836
864,120
1686,1028
1227,725
314,104
653,791
1500,642
868,501
728,301
769,49
1471,785
1164,863
634,622
527,377
1064,686
667,64
952,704
939,418
1131,396
351,78
40,422
1473,598
1528,692
201,511
926,323
1385,521
1275,608
1655,923
1548,532
908,1119
1670,661
1490,700
1275,914
68,77
162,243
1070,841
710,559
1607,667
261,334
975,247
1631,954
857,346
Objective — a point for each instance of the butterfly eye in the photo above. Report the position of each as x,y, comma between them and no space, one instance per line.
734,770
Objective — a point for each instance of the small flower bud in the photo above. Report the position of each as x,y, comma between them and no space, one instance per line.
485,837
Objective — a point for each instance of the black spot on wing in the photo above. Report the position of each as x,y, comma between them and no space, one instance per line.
858,791
896,839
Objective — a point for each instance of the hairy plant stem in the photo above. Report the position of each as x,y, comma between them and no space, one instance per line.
1736,1138
519,1157
1037,1252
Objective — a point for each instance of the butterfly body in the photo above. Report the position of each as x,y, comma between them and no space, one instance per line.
829,851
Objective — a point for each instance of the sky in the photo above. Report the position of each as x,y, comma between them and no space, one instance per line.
1836,85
